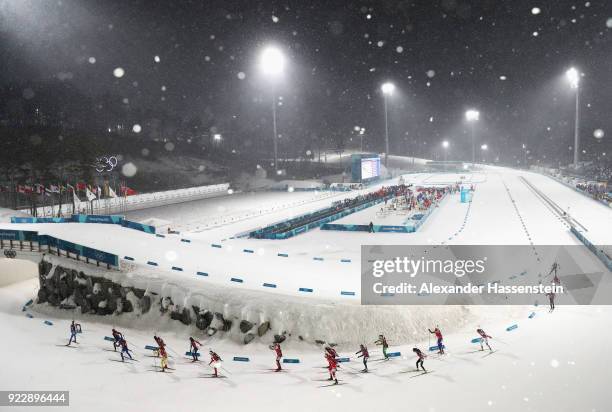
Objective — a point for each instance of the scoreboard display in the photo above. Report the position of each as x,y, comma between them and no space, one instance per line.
365,167
370,168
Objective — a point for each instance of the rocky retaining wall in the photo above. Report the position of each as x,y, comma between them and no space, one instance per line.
71,289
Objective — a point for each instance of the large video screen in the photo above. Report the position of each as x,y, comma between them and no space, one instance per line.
370,168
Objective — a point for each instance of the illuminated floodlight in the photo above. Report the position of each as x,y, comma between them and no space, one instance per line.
272,61
484,147
472,115
445,144
573,77
388,88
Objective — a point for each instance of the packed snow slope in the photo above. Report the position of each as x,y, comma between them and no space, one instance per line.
552,362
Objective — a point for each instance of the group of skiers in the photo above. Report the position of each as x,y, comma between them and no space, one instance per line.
330,354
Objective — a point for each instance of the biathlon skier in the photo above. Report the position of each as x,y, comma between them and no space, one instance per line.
194,348
383,341
332,367
279,354
363,351
484,338
438,334
117,336
215,361
74,329
421,357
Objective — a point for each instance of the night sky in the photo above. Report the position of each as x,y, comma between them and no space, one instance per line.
505,58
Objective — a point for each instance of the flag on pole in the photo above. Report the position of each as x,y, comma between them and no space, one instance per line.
89,194
111,192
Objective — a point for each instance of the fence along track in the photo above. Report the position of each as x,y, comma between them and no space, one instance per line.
554,207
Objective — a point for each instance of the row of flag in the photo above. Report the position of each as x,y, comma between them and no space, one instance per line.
92,192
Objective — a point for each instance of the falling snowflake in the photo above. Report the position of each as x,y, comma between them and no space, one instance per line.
535,10
118,72
136,128
91,60
502,77
431,73
609,23
399,49
380,43
241,75
598,133
129,169
275,19
156,59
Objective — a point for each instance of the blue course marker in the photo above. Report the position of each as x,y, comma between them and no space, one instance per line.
215,245
282,255
509,328
345,260
394,354
308,290
152,263
197,354
177,268
128,258
475,340
151,347
201,273
48,323
434,348
291,360
29,315
347,293
29,302
237,280
158,235
531,315
186,240
341,360
248,251
269,285
317,258
241,359
109,338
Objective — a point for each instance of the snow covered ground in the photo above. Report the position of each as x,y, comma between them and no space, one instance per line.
553,362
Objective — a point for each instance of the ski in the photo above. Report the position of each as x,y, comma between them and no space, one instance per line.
332,384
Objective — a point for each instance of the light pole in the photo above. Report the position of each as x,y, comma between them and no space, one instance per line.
472,116
484,149
574,79
272,63
387,89
361,133
445,145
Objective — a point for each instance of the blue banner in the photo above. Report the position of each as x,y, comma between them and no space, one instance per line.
138,226
107,219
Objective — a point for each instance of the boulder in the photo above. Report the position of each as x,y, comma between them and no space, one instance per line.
145,304
245,326
263,328
248,338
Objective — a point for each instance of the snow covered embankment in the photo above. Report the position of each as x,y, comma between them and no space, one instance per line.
143,296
